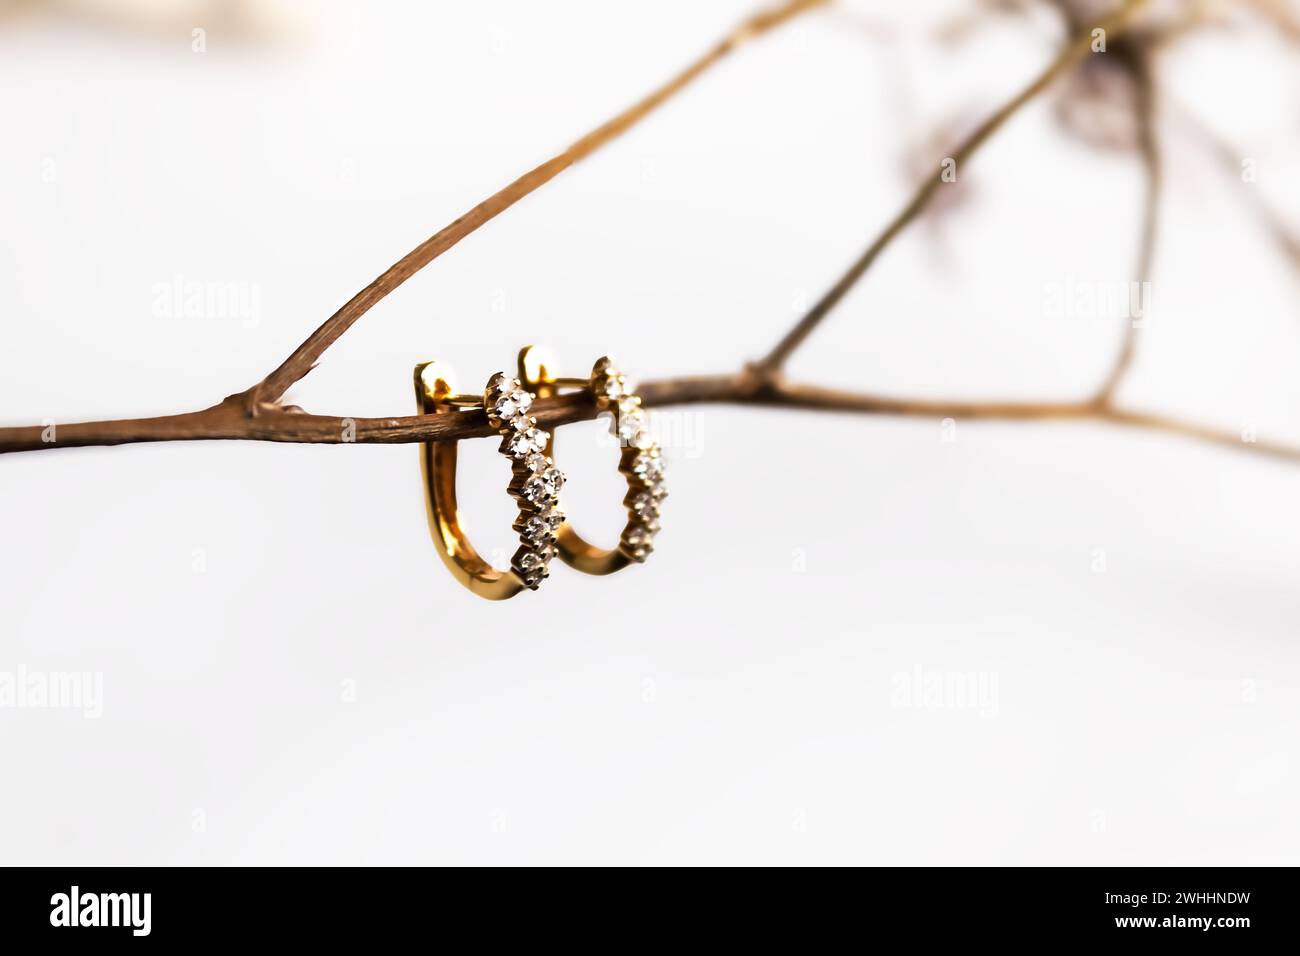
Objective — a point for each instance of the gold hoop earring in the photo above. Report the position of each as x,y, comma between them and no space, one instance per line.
535,483
640,462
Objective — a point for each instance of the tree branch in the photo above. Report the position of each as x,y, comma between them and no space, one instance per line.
1075,50
1231,160
227,421
1144,105
257,414
305,356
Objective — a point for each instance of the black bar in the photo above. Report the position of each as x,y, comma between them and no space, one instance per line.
214,905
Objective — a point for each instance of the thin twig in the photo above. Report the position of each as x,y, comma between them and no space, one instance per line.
1077,48
305,356
1144,106
1231,160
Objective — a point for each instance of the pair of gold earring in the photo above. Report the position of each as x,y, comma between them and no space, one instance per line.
535,482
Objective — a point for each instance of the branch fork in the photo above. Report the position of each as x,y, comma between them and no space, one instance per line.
258,413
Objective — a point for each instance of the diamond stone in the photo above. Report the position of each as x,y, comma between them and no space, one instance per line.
505,408
630,423
537,531
638,537
648,467
542,487
614,387
531,561
644,504
521,445
513,403
526,442
537,462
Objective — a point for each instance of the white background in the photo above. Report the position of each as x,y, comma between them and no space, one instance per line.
289,674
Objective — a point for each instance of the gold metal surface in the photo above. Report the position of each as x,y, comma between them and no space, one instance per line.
434,395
